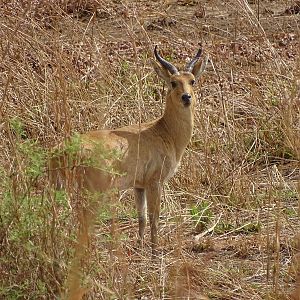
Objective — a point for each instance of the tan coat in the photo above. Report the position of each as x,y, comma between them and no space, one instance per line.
140,156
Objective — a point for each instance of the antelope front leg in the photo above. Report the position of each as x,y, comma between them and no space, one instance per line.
140,200
153,193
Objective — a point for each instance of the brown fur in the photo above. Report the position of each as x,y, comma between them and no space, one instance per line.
149,154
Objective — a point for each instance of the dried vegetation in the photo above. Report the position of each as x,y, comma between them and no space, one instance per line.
230,217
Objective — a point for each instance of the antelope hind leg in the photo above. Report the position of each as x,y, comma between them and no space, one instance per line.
140,200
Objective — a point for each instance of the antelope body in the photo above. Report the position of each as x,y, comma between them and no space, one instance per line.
149,153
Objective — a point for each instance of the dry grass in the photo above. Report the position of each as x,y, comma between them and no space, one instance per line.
73,66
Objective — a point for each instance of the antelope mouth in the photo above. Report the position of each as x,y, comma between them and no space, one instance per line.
186,103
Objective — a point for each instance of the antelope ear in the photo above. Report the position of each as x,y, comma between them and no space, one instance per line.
161,72
200,67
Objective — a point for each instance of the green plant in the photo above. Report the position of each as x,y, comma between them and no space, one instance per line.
201,215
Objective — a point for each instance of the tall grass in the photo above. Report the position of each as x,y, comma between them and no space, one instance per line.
72,66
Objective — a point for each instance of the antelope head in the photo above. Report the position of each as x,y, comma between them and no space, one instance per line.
180,83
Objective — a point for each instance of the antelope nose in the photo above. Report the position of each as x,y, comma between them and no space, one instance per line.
186,98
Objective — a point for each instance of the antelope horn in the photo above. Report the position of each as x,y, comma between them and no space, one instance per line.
189,67
164,63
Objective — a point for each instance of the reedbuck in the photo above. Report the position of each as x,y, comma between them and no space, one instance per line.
148,154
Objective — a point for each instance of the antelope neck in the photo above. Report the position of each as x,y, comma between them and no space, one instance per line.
179,123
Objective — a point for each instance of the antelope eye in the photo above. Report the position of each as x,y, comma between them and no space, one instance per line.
192,82
173,83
